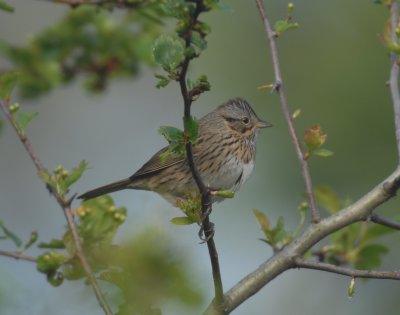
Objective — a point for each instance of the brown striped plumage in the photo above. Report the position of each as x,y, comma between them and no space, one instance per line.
224,155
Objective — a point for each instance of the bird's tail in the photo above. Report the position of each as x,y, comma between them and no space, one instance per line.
106,189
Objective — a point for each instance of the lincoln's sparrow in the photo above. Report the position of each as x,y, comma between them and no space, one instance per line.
224,155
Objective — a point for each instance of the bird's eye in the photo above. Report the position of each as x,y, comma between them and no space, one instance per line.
245,120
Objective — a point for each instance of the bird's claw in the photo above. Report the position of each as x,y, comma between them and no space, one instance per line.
206,235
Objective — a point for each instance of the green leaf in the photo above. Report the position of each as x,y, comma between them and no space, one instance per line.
328,198
219,5
32,240
283,26
182,221
50,261
370,256
55,278
53,244
162,81
168,51
75,173
171,134
191,127
8,80
352,287
46,177
278,232
11,235
199,41
6,7
262,220
314,137
99,220
24,118
322,152
224,193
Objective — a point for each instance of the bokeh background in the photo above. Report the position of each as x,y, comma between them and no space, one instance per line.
334,68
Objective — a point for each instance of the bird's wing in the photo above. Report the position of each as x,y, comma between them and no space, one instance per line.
155,164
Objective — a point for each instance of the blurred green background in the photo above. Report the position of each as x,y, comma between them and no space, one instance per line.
334,68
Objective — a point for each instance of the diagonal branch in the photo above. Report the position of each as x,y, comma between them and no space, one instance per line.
394,74
285,259
66,207
372,274
286,111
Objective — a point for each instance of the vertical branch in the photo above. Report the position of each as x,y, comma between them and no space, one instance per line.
66,207
286,111
206,204
394,73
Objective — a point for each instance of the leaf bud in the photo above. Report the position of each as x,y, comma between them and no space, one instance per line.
58,169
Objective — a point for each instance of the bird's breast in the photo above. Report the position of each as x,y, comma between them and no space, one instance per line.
231,174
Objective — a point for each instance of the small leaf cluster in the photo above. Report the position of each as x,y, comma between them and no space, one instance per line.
87,42
97,224
191,207
10,235
60,180
354,245
277,236
177,138
314,139
20,120
286,24
172,52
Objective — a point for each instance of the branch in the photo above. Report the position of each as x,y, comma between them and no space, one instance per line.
394,74
117,3
372,274
286,111
206,204
17,255
284,260
66,207
383,221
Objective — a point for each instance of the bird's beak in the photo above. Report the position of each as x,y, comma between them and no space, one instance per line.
263,124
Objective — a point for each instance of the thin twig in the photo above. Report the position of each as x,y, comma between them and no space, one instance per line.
65,205
117,3
206,204
394,74
286,111
383,221
373,274
17,255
